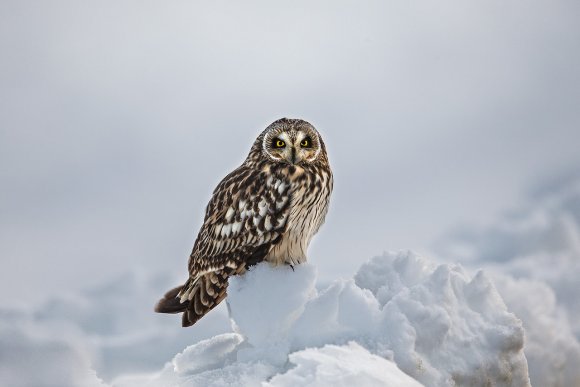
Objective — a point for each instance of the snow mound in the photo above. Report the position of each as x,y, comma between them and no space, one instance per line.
533,255
443,327
434,322
552,351
348,365
264,305
207,354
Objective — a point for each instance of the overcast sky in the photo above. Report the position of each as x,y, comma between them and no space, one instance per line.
118,118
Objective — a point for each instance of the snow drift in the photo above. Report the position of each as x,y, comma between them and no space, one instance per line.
402,321
533,255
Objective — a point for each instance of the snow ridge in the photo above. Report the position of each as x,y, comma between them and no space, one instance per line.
402,321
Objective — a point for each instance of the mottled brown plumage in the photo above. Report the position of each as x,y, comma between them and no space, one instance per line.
269,208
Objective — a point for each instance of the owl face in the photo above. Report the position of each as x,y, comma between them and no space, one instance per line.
291,141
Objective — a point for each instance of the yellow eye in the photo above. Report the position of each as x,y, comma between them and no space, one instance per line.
306,143
279,143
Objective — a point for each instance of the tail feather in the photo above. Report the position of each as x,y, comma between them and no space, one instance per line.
201,295
207,292
170,303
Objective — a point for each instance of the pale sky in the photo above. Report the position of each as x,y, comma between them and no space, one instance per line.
118,118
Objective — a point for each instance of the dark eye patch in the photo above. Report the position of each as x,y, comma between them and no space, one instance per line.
278,143
306,142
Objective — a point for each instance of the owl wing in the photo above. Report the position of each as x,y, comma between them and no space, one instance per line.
248,209
244,219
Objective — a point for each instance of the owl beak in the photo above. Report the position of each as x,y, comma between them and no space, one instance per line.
293,155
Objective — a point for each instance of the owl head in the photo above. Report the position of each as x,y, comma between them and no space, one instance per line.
291,141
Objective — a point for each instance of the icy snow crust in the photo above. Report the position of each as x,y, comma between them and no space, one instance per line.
402,321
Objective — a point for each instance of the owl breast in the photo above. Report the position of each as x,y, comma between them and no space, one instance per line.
310,196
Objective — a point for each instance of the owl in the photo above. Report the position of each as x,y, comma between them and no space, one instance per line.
268,209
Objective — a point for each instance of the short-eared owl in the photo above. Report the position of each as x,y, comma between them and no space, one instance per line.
268,209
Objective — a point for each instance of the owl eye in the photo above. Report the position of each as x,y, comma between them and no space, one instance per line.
306,143
277,143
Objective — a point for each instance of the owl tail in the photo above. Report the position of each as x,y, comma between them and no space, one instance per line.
199,296
170,302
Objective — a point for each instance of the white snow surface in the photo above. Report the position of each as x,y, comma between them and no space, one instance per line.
402,321
347,365
533,255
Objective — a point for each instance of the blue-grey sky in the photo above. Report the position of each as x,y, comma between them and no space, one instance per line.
118,118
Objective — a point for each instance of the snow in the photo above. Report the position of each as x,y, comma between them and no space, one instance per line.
347,365
403,320
268,322
207,354
552,350
533,255
443,327
402,315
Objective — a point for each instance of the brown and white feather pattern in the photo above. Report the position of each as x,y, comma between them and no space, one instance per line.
266,209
